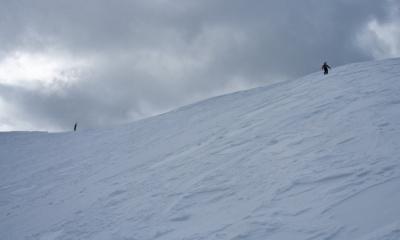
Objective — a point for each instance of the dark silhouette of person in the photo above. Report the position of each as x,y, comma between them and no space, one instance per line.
76,124
325,67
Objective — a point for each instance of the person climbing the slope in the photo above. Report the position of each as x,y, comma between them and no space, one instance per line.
325,67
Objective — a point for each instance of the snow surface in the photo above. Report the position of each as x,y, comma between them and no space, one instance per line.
311,158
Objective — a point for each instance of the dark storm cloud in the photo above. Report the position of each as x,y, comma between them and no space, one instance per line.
151,56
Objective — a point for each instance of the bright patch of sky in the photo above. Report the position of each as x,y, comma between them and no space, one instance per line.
27,69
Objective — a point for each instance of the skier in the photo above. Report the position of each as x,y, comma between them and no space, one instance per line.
325,67
76,124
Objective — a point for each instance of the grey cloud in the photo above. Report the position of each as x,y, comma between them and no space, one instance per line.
152,56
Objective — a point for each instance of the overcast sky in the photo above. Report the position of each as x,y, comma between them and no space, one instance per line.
108,62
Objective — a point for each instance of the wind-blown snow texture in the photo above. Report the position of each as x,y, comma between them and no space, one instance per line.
312,158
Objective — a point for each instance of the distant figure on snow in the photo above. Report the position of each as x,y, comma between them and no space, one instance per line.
325,67
76,124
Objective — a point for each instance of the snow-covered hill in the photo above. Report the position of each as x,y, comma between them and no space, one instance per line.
312,158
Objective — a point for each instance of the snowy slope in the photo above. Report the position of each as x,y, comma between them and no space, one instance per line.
312,158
